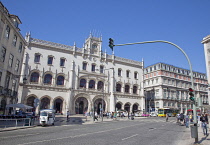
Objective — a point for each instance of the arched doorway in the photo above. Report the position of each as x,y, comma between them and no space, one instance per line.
127,107
58,105
3,106
98,105
118,106
45,103
30,101
135,108
81,105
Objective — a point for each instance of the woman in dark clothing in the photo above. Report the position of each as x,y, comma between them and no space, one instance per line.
204,122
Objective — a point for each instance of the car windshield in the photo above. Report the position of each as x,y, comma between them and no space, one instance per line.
43,114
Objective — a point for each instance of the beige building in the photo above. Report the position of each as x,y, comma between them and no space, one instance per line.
167,86
12,46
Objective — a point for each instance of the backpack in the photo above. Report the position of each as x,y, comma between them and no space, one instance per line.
181,116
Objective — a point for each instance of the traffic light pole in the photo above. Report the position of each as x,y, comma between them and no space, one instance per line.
191,75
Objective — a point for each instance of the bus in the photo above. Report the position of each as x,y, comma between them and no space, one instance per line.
172,112
175,111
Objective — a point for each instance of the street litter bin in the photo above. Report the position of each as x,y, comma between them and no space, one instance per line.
28,121
194,131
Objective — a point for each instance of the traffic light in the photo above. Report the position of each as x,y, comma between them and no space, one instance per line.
191,94
111,43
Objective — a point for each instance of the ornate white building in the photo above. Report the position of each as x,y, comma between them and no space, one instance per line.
168,86
65,78
12,46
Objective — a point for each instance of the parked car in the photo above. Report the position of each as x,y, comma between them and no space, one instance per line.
145,115
138,113
153,114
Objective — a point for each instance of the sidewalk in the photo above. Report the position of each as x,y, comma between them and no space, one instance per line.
187,140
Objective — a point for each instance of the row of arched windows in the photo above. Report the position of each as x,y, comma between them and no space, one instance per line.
100,86
47,79
91,84
127,88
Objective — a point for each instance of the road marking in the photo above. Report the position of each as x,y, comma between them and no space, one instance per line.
130,136
19,135
152,129
76,135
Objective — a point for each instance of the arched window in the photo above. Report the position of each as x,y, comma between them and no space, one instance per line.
48,79
100,85
34,77
92,84
60,80
82,83
127,88
135,89
118,88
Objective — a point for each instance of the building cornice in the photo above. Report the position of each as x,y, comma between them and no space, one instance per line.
206,39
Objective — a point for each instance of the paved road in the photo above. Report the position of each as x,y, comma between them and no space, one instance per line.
144,131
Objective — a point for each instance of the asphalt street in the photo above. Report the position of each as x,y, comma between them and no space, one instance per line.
145,131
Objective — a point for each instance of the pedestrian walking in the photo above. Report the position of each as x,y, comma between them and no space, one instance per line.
187,121
67,115
181,119
166,117
96,116
128,115
204,122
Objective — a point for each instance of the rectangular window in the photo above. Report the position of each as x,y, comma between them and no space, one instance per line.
37,58
101,69
62,62
20,47
127,73
7,80
14,40
135,75
50,60
11,57
84,67
17,65
119,72
7,32
2,54
93,67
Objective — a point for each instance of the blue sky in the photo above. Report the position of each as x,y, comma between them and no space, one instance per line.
183,22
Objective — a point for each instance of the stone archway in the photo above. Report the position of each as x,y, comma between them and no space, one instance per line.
30,101
45,103
98,105
127,107
81,105
135,107
118,106
58,105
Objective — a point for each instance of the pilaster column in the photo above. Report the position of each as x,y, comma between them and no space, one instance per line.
71,85
112,101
